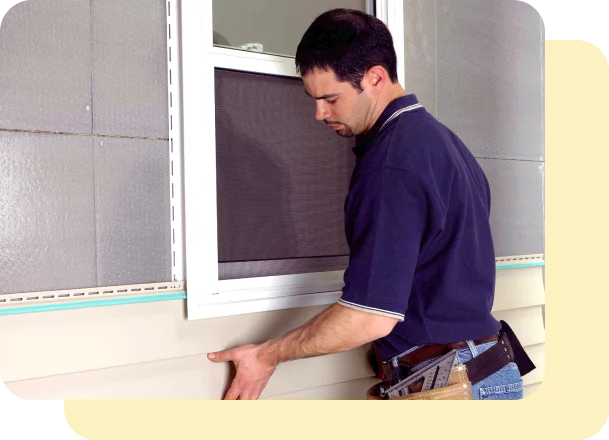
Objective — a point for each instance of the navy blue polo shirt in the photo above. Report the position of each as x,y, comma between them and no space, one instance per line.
417,225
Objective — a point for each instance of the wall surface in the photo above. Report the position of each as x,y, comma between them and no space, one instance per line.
84,199
151,351
83,145
477,65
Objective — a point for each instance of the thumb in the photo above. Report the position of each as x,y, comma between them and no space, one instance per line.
221,356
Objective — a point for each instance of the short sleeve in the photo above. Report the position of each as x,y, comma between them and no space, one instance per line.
389,212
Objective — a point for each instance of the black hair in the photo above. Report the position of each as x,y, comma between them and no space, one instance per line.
348,42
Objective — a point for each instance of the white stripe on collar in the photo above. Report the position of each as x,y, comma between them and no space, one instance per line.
399,112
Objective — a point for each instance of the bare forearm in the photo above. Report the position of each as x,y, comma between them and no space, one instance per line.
336,329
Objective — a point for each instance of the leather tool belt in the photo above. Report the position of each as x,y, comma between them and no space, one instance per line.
508,349
458,388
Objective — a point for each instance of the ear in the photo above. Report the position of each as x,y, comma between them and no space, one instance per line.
375,78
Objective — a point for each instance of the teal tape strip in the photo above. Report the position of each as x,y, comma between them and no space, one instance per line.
92,303
519,266
152,298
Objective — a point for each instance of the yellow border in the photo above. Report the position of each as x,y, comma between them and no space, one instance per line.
572,401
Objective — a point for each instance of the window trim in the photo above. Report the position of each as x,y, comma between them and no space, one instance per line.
253,62
208,296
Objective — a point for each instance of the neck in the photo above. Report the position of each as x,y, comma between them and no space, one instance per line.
392,93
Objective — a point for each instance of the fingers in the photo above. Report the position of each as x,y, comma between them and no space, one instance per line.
244,391
236,388
256,393
252,393
247,394
251,373
233,393
221,356
229,355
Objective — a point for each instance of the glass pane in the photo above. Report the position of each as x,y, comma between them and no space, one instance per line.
270,26
282,179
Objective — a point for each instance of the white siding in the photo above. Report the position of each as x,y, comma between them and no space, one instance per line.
152,351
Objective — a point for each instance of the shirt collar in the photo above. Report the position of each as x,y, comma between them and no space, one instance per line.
364,141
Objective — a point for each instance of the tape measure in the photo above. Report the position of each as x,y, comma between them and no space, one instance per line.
435,375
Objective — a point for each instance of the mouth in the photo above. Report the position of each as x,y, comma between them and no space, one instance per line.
336,126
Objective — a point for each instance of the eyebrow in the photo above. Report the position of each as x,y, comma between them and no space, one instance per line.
330,95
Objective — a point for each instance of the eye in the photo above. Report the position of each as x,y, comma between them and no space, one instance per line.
333,101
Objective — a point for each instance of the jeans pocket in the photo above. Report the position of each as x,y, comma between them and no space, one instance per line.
511,391
505,384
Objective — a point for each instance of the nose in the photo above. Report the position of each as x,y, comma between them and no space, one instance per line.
321,111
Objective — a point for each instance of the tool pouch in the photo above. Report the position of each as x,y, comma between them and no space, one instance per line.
381,371
458,388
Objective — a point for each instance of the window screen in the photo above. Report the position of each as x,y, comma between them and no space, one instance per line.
282,179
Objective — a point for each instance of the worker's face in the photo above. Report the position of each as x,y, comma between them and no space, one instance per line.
343,108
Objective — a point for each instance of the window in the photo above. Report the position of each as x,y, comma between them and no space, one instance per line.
269,26
265,183
281,180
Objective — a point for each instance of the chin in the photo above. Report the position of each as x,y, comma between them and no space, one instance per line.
345,133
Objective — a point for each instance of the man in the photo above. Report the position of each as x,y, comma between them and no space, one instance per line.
421,275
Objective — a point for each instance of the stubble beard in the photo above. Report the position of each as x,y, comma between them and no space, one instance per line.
345,132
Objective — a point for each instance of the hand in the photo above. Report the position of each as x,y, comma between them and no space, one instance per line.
254,368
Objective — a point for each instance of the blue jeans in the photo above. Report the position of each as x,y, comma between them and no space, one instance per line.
505,384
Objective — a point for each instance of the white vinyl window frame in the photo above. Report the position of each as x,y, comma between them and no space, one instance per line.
207,295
